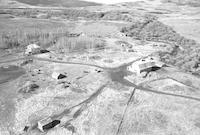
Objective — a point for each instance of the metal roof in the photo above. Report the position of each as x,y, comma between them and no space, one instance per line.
146,65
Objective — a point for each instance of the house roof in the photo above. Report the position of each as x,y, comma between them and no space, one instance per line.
33,46
57,75
147,63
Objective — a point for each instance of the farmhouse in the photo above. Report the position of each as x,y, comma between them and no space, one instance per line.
148,64
32,49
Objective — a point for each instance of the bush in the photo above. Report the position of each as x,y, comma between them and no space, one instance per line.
10,41
153,30
28,88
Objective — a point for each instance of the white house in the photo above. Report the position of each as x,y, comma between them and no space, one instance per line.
144,65
32,48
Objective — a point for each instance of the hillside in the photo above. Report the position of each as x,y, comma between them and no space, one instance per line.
62,3
186,58
194,3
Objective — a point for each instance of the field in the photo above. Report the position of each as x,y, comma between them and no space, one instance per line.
49,3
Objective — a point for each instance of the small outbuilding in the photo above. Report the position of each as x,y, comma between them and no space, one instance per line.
98,70
147,64
47,123
58,76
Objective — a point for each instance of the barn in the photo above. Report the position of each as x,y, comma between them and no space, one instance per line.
148,64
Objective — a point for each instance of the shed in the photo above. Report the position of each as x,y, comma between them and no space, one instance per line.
47,123
58,76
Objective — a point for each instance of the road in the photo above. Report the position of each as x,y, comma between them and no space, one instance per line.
64,62
116,74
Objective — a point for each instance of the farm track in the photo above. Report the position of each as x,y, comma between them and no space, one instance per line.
85,102
64,62
83,105
168,94
119,74
164,78
125,110
133,85
123,81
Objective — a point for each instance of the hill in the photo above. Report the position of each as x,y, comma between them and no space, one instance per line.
59,3
194,3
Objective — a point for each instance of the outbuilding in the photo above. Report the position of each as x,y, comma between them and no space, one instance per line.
57,75
47,123
148,64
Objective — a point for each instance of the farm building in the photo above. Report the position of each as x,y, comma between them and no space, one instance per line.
58,76
148,64
47,123
32,49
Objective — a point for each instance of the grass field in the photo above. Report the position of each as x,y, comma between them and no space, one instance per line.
21,32
100,29
28,24
18,33
79,44
63,3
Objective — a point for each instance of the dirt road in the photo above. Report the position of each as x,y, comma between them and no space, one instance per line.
116,74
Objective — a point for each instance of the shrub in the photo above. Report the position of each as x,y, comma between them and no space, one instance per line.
152,30
10,41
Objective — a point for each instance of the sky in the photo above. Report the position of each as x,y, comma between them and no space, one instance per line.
111,1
